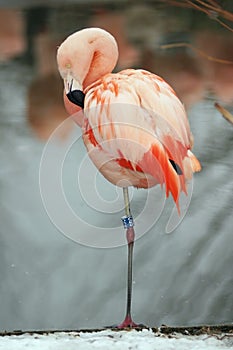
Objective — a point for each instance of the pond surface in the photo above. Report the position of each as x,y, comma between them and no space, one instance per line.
49,281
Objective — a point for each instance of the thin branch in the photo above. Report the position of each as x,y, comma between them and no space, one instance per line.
200,52
212,7
214,3
223,24
225,113
206,7
219,10
197,7
225,14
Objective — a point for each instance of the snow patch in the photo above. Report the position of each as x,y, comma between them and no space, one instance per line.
114,340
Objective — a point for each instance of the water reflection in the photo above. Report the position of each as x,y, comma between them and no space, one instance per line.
48,281
45,107
12,38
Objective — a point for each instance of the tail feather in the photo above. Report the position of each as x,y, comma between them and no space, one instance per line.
157,162
195,164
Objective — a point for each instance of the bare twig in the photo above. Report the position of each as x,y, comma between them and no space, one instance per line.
223,24
210,7
225,113
218,9
198,7
214,3
200,52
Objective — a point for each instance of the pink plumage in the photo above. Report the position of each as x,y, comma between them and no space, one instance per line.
134,126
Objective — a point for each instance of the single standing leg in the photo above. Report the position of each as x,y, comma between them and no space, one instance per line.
128,224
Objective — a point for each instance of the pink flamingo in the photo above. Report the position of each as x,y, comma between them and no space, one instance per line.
134,126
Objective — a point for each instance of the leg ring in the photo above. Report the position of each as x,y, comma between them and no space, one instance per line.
127,221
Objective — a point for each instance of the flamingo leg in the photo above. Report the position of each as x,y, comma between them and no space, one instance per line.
128,224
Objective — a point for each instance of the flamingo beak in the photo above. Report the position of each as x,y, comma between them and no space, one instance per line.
74,91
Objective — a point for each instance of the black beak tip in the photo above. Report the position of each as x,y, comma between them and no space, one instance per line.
77,97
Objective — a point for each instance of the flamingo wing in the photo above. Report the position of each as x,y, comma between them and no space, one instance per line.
135,118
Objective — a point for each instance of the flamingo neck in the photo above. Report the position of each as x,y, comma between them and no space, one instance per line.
104,55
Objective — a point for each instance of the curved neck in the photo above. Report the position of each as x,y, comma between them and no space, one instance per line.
103,57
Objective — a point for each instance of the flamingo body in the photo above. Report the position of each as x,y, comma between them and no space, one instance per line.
134,127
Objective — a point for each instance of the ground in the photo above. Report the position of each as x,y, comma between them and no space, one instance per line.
143,339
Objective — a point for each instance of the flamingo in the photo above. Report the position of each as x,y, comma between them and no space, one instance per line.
133,124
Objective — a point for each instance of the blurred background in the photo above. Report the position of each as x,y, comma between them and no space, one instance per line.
185,278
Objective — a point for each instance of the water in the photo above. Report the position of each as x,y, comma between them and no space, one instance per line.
50,282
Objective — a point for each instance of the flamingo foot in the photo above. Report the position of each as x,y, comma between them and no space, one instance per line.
128,323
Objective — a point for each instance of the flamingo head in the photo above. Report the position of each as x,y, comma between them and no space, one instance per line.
84,57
